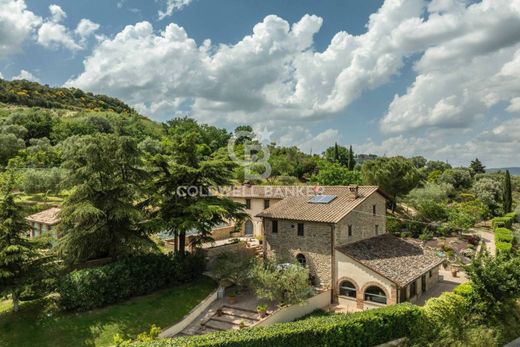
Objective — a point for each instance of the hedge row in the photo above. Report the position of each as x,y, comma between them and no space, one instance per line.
504,222
90,288
367,328
503,235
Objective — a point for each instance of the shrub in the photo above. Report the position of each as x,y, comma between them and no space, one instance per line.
367,328
503,247
504,222
97,287
503,235
464,289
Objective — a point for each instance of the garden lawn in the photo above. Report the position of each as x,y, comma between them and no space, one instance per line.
38,323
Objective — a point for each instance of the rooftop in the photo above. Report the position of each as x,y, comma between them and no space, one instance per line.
48,217
300,207
401,261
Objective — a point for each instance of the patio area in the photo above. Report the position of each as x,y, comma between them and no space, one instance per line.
225,315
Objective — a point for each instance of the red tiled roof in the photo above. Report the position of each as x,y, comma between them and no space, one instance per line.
299,207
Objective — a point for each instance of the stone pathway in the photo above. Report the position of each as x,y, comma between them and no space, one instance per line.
222,315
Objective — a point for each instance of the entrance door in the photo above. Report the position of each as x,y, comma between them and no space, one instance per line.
249,228
423,283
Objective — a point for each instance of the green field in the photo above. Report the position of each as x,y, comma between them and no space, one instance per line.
40,324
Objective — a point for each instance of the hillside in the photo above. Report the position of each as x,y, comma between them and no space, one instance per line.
514,171
32,94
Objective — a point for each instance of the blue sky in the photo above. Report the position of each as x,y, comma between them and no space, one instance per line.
435,78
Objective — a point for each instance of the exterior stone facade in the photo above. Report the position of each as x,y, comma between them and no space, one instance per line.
256,206
363,221
315,245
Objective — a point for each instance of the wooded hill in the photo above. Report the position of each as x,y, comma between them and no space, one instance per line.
23,92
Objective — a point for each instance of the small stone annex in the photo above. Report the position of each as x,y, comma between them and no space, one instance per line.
339,234
44,222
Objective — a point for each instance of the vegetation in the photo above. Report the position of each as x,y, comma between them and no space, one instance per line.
283,283
42,323
368,328
89,288
396,176
99,219
23,267
23,92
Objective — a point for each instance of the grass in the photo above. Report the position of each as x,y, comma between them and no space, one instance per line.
39,323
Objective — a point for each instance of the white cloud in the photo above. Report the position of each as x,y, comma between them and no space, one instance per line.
171,6
475,65
469,61
25,75
57,14
16,25
53,34
86,28
272,74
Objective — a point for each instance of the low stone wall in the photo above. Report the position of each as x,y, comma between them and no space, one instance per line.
190,317
224,233
293,312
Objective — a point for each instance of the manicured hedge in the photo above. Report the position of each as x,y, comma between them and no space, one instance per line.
503,235
503,247
97,287
367,328
504,222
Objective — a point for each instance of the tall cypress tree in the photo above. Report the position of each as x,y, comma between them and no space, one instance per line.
508,194
336,152
351,160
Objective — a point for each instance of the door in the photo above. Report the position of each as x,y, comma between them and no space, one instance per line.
423,283
249,228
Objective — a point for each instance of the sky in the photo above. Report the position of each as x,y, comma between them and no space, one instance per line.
437,78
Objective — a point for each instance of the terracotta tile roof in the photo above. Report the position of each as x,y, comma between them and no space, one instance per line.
268,192
48,217
401,261
299,208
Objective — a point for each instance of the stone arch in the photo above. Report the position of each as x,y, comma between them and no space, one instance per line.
351,280
378,285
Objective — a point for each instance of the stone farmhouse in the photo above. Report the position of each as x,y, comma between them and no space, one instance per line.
44,222
339,234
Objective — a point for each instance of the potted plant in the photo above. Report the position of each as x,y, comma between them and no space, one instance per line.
262,310
242,325
232,298
219,312
454,271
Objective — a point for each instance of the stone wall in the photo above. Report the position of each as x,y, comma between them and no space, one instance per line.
257,206
225,233
363,221
315,245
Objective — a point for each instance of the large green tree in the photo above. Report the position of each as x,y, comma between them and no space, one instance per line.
184,177
397,176
333,174
100,217
337,154
22,265
507,193
477,167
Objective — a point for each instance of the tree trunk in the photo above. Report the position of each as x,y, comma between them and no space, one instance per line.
394,202
182,243
16,301
175,242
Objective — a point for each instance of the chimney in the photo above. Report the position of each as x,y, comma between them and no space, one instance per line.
355,191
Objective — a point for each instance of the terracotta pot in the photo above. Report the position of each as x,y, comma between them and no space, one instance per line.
232,299
454,273
262,314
